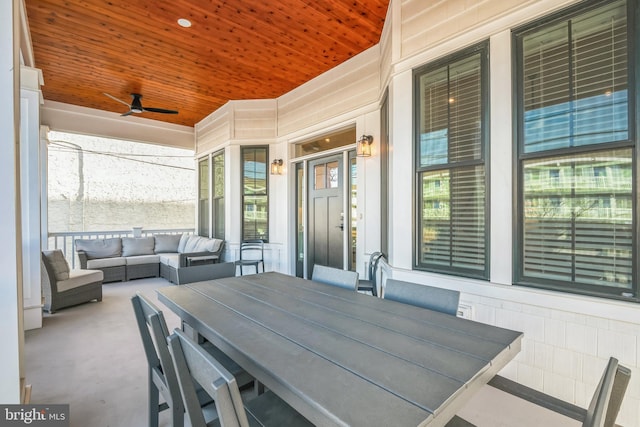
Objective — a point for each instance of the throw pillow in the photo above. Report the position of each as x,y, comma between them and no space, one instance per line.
58,264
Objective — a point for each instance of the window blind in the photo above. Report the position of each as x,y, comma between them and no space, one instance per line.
574,82
451,169
576,153
578,219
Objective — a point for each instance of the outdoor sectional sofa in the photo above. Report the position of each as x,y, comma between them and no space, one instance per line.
126,258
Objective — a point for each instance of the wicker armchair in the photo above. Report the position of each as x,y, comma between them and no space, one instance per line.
62,287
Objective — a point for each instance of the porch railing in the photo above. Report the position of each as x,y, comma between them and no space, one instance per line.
66,241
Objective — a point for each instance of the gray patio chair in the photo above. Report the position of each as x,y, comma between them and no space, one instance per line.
198,273
602,411
194,365
251,254
371,284
63,287
438,299
335,276
162,377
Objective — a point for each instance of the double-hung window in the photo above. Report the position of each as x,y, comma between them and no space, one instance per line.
576,151
451,178
211,195
217,185
255,199
203,197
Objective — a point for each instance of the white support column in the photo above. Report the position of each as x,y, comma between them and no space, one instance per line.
233,198
11,334
44,193
501,159
30,179
400,156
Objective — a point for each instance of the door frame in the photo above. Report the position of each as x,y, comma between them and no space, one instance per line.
346,191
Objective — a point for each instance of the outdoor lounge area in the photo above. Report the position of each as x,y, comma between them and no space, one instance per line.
441,198
156,255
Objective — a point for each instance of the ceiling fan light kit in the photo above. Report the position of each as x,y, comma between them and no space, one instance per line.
136,106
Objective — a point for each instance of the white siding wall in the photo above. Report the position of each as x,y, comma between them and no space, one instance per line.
339,91
255,119
237,123
568,338
432,23
213,131
386,50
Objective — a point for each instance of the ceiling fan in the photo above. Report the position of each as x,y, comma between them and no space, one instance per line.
136,106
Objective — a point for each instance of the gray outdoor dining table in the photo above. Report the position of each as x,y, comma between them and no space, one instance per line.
344,358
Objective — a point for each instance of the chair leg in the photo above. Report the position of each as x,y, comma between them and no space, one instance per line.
154,403
177,412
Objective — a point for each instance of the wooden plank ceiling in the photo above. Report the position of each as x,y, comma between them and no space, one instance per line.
235,49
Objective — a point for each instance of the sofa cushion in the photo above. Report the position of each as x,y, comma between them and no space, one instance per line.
201,244
79,278
58,264
192,242
183,241
100,248
142,259
132,246
106,262
172,260
167,242
217,244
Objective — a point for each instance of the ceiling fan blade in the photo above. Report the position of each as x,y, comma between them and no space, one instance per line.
128,113
159,110
116,99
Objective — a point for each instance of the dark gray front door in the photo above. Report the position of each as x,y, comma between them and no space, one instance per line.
326,215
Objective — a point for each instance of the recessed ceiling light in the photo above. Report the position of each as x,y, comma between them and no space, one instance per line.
184,22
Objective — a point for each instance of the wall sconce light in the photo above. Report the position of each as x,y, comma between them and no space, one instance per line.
363,149
276,167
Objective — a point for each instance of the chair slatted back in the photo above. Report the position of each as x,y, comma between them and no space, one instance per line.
433,298
252,250
192,362
605,403
335,276
374,259
620,383
154,332
607,398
